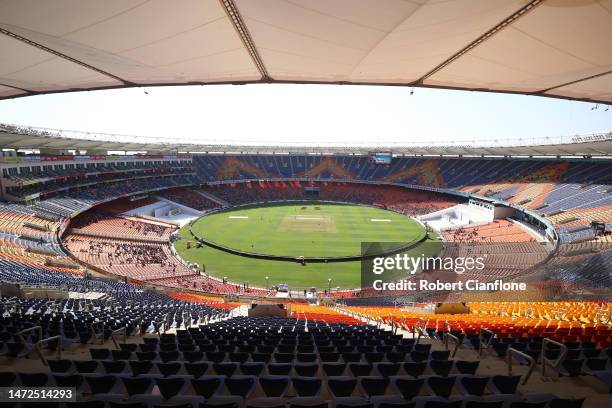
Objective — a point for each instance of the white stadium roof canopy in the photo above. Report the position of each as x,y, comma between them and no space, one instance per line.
554,48
33,138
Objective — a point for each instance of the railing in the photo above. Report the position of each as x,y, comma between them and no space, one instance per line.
420,329
394,326
447,337
241,145
40,343
367,318
515,353
21,337
556,362
187,319
202,318
94,334
120,331
482,345
165,322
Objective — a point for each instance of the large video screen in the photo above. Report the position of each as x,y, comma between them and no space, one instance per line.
380,157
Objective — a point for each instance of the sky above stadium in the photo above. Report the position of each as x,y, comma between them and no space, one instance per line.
284,113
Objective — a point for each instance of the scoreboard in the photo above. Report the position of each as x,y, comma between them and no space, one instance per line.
380,157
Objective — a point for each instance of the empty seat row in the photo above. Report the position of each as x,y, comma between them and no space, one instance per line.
272,385
385,369
189,344
219,356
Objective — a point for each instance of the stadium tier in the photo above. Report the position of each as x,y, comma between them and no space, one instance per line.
549,200
189,354
567,192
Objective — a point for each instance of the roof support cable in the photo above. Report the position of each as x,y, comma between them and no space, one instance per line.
63,56
500,26
574,82
234,15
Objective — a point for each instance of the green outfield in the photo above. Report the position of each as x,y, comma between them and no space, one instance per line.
308,229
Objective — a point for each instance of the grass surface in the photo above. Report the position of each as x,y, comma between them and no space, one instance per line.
318,230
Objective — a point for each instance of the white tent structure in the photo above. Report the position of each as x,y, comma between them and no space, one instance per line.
555,48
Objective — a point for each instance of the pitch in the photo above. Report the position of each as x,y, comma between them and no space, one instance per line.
309,230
